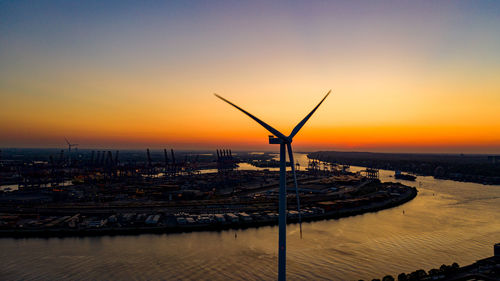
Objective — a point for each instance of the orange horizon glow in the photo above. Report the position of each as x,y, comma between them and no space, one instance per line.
420,77
381,139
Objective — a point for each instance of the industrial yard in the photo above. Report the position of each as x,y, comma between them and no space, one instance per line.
93,193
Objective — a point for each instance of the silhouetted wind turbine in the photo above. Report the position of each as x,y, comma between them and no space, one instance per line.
285,144
70,145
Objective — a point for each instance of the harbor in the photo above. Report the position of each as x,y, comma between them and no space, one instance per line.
447,222
236,196
250,140
133,223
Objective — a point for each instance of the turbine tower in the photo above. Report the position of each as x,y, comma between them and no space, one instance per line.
70,145
285,144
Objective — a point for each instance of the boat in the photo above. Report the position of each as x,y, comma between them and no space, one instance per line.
401,176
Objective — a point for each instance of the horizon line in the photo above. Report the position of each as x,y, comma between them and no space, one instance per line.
254,150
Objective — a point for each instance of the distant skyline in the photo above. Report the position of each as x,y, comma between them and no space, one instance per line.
420,76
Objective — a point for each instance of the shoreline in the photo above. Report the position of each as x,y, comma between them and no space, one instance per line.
483,269
443,170
114,231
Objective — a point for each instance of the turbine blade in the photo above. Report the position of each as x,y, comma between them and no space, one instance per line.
292,163
66,140
262,123
299,126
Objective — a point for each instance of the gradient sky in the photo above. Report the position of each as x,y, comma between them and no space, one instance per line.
417,76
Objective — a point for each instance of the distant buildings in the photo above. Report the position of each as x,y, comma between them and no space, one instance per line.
494,159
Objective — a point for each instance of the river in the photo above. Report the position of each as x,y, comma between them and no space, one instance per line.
447,222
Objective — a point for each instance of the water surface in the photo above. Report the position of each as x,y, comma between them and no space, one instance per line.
447,222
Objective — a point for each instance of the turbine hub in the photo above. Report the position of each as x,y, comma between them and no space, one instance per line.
275,140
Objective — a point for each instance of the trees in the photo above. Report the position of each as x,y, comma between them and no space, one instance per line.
445,269
402,277
388,278
434,271
417,275
421,274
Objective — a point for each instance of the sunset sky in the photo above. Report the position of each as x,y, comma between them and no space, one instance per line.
419,76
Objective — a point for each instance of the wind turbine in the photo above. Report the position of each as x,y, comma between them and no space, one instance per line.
285,144
70,145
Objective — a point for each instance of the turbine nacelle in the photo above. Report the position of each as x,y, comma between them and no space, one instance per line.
277,140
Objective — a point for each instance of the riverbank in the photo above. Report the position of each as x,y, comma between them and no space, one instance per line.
409,194
483,269
462,168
